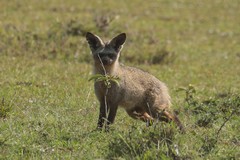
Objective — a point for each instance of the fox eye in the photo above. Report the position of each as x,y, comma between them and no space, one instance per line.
107,55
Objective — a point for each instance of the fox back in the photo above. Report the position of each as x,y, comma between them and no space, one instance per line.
141,94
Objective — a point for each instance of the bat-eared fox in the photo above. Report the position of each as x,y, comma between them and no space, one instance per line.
142,95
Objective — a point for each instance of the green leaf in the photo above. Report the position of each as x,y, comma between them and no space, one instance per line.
95,76
105,78
181,89
115,81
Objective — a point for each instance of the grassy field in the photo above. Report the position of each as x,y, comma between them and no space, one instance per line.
48,109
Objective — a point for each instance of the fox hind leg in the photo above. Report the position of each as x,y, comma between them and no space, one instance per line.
168,117
143,116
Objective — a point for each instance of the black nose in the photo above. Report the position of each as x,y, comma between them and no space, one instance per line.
106,60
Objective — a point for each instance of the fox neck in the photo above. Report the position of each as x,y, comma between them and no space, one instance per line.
107,69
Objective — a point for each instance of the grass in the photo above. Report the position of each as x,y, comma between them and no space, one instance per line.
48,109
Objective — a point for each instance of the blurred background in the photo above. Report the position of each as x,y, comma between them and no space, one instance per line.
48,108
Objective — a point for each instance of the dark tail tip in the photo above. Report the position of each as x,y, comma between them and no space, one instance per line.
179,124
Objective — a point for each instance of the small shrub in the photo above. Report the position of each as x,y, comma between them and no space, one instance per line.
209,143
216,110
5,108
156,142
75,28
163,56
103,21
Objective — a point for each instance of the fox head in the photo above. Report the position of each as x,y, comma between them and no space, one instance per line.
105,53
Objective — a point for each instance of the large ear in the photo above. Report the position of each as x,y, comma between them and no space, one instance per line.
118,41
94,41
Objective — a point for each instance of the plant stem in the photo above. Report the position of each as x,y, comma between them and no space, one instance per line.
106,92
228,118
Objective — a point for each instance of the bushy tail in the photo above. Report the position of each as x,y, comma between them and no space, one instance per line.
168,117
178,122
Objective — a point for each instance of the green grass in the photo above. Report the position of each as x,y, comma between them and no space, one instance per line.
48,109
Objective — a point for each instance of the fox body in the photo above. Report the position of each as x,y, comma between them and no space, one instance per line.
141,94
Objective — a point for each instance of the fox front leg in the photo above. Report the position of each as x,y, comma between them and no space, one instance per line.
102,114
111,115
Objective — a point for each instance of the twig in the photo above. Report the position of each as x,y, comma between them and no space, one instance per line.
218,132
104,70
148,121
106,92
